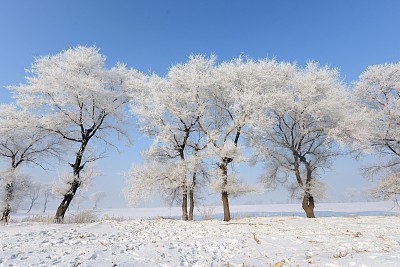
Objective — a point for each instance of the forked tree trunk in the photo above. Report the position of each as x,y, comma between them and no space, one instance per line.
184,184
308,205
224,169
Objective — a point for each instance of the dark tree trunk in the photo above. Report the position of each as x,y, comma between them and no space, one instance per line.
184,195
30,207
191,197
5,217
308,205
224,193
225,205
75,184
34,196
63,207
45,203
191,204
224,169
184,203
181,150
308,199
9,197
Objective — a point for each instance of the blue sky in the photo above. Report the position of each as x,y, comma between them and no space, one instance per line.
153,35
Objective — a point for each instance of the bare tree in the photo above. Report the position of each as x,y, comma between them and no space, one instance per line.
97,197
34,192
47,193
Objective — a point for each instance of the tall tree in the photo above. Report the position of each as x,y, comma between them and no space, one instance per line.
33,194
14,187
293,134
22,141
233,97
168,112
96,197
86,103
47,193
377,95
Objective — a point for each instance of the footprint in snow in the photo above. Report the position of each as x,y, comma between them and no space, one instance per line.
94,256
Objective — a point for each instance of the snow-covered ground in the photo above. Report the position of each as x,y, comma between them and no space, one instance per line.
260,241
266,210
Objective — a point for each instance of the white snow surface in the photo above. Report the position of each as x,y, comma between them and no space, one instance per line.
346,240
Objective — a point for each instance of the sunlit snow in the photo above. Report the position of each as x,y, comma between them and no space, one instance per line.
291,240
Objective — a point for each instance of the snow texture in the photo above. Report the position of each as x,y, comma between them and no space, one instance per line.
289,240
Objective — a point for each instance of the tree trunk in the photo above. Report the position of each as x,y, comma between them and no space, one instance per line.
184,195
62,209
45,204
184,184
9,197
308,205
308,199
184,203
224,193
77,167
191,204
30,207
225,205
191,197
5,217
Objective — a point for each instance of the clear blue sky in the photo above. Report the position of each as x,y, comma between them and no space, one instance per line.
153,35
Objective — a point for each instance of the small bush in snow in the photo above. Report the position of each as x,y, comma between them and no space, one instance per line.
207,213
85,216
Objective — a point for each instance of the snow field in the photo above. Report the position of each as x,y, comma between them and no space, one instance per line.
292,241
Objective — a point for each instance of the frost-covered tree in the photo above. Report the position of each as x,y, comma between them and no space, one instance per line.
293,133
14,188
63,184
78,200
168,112
388,187
22,141
233,97
378,97
33,194
47,193
161,177
85,102
96,197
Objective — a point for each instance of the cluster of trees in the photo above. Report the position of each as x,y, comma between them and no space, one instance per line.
204,118
40,193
